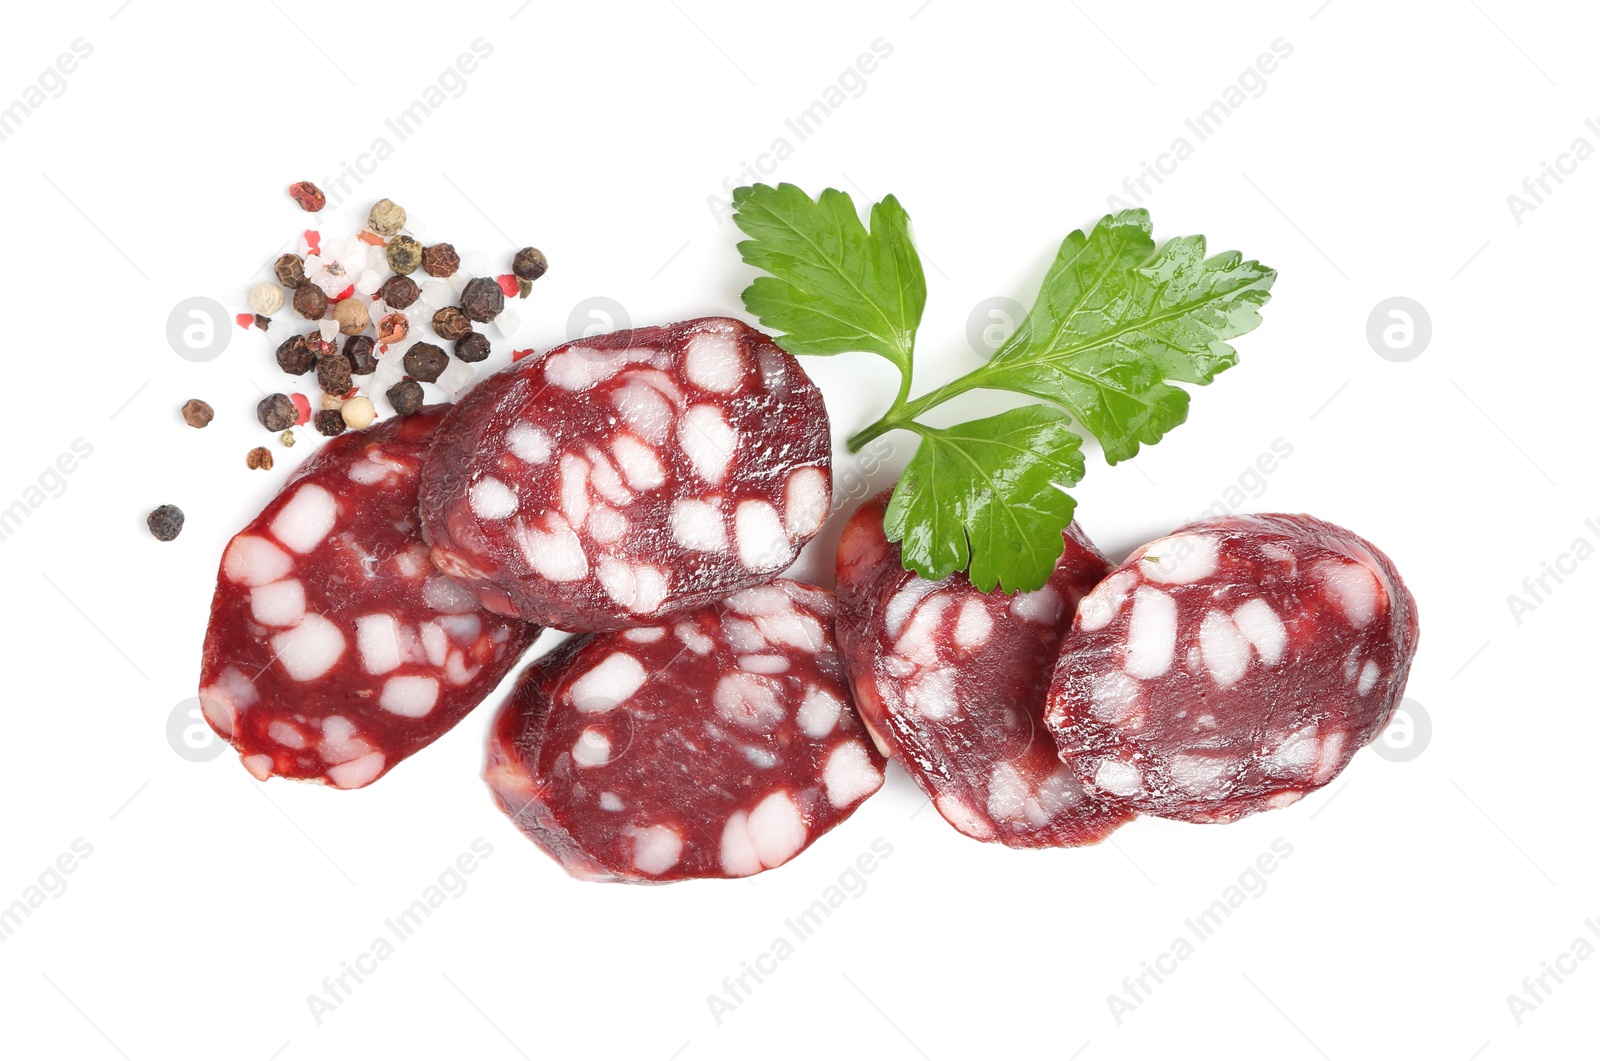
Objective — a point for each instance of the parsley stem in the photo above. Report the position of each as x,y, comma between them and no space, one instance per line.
902,414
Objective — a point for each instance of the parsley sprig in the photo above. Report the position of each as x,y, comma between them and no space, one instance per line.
1117,322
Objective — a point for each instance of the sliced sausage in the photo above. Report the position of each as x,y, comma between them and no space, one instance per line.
719,744
336,648
620,479
1232,666
952,683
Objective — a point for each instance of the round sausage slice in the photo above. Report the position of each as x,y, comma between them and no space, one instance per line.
1232,667
620,479
952,681
336,649
720,744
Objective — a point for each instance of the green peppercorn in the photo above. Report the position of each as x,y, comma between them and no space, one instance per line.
403,254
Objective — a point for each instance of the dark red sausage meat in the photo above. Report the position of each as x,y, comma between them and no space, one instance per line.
952,684
717,745
1232,666
336,648
620,479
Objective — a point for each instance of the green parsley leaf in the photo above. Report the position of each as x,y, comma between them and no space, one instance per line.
834,286
1115,320
991,483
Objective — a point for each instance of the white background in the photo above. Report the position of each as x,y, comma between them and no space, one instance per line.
1377,162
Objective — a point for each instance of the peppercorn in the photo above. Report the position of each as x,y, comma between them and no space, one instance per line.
440,260
393,328
310,302
309,196
529,263
425,361
266,298
319,345
276,412
329,422
260,457
398,292
406,397
290,270
451,324
333,374
351,313
166,522
294,356
472,347
482,300
524,287
387,217
358,412
197,413
358,351
404,254
286,439
261,322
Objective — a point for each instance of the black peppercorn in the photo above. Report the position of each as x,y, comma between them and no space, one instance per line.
425,361
333,374
472,347
329,422
295,357
358,351
290,270
440,260
404,254
529,264
310,302
398,292
451,324
406,397
482,300
277,412
166,522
